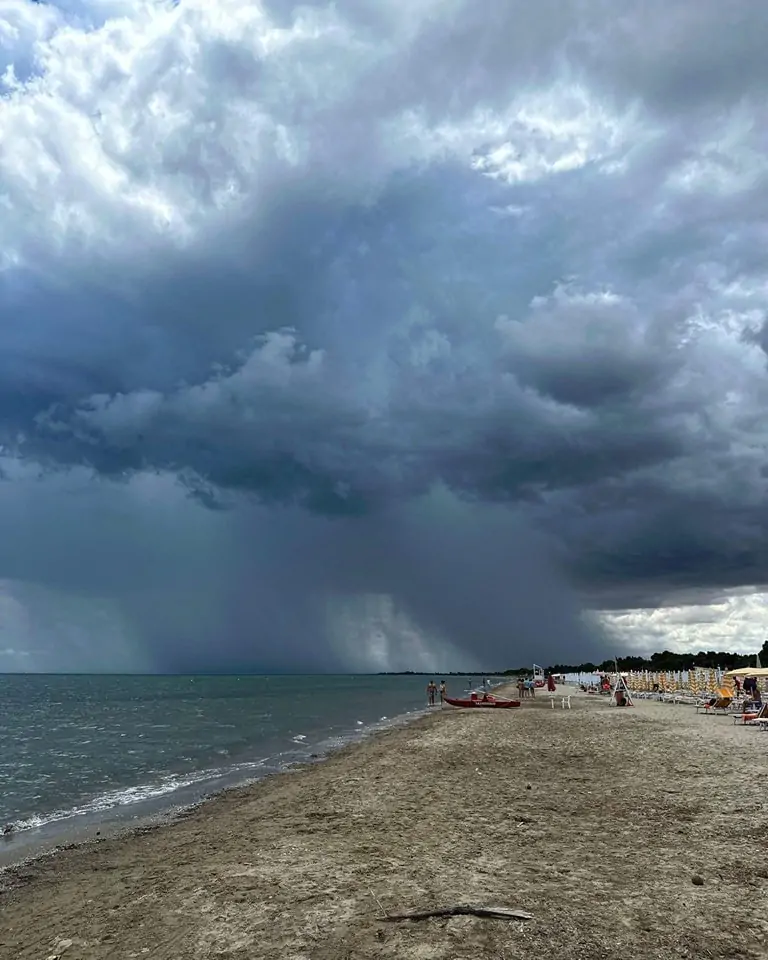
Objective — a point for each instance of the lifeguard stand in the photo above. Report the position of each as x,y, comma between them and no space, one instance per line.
621,691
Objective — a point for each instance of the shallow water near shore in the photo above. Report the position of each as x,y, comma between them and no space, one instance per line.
81,752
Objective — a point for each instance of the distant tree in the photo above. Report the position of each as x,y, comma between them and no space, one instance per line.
664,660
764,654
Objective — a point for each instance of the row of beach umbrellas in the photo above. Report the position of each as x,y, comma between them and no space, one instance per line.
697,682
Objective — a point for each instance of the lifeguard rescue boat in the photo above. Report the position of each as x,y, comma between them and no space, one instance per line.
487,700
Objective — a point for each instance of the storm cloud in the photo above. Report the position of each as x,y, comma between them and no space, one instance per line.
381,334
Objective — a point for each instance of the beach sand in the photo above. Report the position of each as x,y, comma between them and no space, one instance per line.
595,820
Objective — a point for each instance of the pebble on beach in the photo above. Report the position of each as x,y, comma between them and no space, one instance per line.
697,881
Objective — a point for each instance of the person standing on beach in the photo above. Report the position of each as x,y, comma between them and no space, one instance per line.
431,691
551,683
443,690
521,687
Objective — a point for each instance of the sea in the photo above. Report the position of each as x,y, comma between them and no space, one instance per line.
81,751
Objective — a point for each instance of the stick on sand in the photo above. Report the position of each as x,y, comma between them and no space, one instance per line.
490,913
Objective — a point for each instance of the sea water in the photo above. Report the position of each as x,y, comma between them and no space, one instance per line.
80,748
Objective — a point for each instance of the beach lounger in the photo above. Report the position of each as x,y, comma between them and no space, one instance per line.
715,705
752,717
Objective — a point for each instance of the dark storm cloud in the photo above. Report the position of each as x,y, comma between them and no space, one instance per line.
683,57
433,584
323,262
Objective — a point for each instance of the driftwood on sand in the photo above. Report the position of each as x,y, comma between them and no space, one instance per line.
490,913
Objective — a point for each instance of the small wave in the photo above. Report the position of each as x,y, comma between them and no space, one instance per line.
218,778
117,798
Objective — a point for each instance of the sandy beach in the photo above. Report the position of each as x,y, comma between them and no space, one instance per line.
637,832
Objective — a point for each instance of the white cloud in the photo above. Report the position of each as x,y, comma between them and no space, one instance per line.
737,623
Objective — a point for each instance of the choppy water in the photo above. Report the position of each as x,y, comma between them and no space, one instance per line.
79,746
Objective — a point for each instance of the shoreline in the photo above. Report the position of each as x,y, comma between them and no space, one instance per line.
30,844
597,821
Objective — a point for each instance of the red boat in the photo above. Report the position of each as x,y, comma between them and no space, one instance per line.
485,701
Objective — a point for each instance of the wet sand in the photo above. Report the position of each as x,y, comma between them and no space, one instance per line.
595,820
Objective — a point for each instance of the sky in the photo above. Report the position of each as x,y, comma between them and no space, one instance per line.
377,335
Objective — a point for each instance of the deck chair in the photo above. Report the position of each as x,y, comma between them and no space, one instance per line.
718,704
753,718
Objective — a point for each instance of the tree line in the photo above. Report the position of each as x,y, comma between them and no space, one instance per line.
667,660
